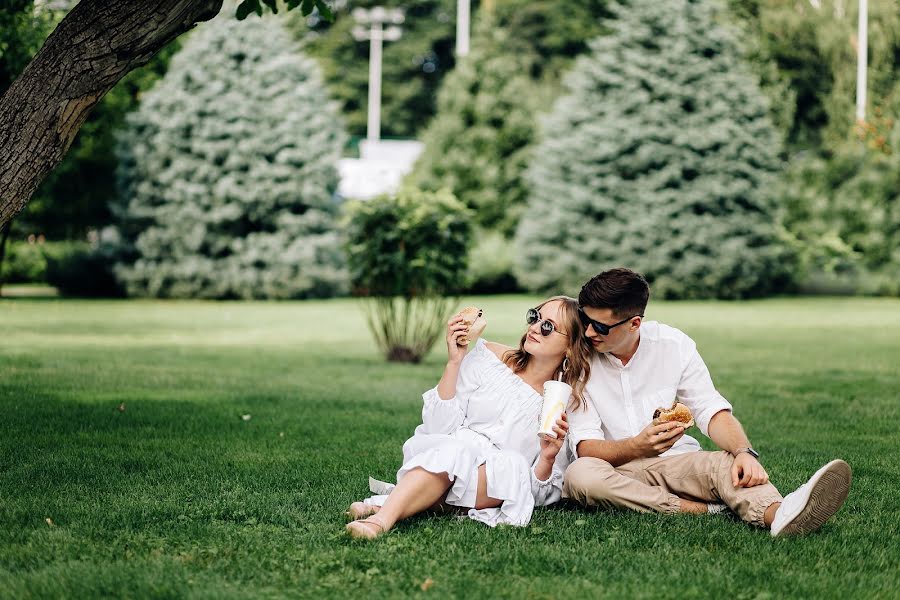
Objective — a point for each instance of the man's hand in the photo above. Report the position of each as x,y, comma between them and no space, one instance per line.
656,439
747,472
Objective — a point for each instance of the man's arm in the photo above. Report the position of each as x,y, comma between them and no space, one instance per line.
652,441
728,435
727,432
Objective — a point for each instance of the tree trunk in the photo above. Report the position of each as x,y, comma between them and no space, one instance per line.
94,46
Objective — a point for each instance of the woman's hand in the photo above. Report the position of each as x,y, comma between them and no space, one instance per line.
550,448
456,328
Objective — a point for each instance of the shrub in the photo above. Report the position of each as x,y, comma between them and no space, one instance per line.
80,269
407,254
24,263
491,264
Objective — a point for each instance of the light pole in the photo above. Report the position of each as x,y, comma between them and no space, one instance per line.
462,27
862,51
375,18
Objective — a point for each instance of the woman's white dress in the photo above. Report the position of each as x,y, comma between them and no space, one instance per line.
493,421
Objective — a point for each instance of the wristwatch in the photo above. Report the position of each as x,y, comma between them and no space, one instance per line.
749,451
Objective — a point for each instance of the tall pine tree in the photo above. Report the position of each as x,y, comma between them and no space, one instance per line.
478,144
661,158
228,173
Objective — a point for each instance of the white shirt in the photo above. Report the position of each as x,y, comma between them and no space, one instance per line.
621,398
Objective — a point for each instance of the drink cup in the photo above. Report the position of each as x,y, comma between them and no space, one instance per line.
556,396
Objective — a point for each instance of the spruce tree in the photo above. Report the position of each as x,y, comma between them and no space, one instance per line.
478,144
228,173
661,158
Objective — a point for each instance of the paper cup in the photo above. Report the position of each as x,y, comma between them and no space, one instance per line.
556,396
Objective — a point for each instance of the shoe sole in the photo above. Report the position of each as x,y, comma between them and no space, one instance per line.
827,495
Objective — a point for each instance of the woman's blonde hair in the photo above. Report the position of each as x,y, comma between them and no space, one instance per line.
577,361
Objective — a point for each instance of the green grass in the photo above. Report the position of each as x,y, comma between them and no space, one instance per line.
177,496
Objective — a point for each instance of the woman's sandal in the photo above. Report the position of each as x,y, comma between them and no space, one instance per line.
366,529
361,510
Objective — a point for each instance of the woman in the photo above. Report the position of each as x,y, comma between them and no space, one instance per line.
477,446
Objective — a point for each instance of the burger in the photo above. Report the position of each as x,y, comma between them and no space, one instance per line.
475,323
679,413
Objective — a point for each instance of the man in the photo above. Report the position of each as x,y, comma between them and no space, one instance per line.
625,461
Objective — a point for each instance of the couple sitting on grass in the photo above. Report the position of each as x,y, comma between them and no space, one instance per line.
478,449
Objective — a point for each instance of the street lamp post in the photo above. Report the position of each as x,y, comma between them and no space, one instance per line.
462,27
375,19
862,58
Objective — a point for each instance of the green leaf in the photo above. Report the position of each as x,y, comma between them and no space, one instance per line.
246,7
307,7
273,4
325,10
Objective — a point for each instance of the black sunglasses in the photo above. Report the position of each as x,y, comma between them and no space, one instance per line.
547,327
601,328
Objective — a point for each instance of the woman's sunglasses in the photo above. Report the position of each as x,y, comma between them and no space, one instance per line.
601,328
547,327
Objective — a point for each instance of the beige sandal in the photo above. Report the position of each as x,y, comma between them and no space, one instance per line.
366,529
361,510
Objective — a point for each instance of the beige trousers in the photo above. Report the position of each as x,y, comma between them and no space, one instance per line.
658,484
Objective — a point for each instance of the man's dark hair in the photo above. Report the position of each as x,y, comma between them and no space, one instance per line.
622,290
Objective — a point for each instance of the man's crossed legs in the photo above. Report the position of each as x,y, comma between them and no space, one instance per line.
659,484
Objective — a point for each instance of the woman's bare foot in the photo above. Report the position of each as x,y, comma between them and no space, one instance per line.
361,510
366,529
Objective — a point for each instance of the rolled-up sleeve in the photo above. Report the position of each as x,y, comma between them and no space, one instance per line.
445,416
584,424
696,389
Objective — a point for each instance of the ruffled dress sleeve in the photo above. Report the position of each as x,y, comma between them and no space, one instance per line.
548,491
445,416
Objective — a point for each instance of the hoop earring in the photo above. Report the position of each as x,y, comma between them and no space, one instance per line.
565,364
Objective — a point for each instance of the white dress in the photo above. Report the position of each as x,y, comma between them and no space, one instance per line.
493,421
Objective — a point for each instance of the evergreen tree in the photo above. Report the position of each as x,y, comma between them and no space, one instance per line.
478,145
659,158
228,173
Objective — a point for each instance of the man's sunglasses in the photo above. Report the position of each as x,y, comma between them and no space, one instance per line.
601,328
547,327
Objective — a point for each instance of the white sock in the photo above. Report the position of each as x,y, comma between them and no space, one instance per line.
715,508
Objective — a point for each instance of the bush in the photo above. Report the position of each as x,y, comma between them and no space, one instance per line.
80,269
491,265
24,263
229,173
843,215
660,158
407,254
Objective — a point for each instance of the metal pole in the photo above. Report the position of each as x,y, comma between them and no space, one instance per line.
462,28
862,60
373,128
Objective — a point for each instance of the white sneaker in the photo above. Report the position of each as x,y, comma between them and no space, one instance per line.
809,506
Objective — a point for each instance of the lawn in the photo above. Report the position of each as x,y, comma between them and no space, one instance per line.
182,495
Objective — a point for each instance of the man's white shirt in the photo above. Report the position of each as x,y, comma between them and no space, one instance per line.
620,399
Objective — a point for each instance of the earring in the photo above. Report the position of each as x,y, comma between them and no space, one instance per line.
565,365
